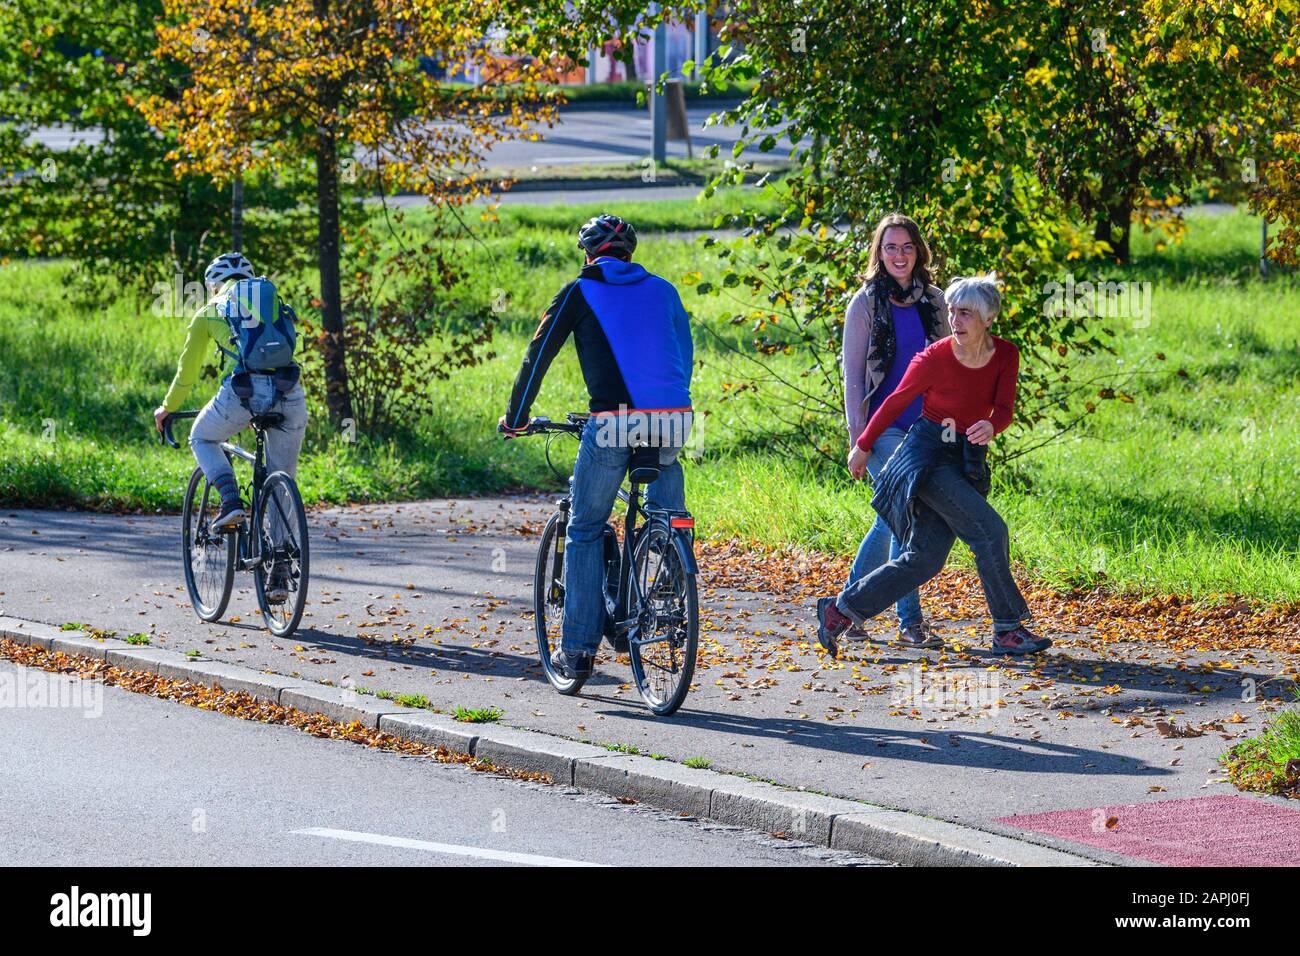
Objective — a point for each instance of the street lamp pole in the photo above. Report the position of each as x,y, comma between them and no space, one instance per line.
658,99
701,41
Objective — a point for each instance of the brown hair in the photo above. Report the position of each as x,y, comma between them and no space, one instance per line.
875,268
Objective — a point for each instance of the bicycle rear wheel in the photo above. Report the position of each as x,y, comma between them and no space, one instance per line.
548,605
666,633
208,556
281,528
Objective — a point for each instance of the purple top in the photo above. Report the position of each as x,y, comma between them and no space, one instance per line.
909,339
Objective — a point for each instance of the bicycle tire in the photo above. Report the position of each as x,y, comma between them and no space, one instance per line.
682,632
209,603
280,499
548,609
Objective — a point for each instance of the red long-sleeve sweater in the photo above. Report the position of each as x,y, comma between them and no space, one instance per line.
952,390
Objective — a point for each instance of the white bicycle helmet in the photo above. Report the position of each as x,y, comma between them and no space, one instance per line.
228,265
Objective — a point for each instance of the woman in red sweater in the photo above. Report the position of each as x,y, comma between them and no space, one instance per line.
933,489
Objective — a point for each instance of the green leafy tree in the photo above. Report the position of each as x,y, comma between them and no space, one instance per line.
83,175
905,106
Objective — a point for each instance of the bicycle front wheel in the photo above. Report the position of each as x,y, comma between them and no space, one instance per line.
208,555
548,604
666,630
281,529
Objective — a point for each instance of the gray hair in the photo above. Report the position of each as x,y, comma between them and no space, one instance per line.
975,292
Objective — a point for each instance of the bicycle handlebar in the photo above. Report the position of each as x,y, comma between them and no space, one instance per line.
573,425
166,436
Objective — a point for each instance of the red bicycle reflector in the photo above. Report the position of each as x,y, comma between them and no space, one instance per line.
683,522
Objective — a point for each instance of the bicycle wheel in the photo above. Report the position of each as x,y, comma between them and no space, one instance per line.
548,605
281,528
208,556
667,629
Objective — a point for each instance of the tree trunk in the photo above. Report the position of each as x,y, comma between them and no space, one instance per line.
338,398
237,215
1114,225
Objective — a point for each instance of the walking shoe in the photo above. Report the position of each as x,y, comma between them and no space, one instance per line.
231,515
571,666
919,635
830,625
1019,641
277,584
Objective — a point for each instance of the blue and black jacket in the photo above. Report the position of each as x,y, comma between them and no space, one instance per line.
633,339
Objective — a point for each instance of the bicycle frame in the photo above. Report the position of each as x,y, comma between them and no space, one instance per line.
628,584
249,553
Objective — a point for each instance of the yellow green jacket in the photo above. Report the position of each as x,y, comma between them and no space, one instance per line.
206,331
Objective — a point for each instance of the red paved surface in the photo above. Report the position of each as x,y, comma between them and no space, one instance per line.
1203,831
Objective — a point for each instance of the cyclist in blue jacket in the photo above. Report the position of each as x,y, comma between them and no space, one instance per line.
633,340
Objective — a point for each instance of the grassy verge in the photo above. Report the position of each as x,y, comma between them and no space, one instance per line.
1188,490
673,172
1269,763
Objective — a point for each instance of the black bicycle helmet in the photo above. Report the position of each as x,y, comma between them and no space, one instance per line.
607,236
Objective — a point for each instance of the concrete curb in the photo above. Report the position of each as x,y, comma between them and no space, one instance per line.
840,824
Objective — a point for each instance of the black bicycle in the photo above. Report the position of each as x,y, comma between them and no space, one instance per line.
651,600
277,536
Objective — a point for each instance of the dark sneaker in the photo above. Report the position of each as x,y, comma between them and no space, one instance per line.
1019,641
919,635
277,584
232,516
830,625
571,666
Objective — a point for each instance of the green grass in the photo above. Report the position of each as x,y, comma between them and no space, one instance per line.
1261,763
1191,489
699,763
137,639
414,700
480,715
622,748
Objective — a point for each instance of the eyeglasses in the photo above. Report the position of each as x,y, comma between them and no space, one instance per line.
906,249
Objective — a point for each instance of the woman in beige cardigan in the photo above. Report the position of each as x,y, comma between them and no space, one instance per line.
897,313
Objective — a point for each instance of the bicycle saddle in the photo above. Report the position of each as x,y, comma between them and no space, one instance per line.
268,420
644,466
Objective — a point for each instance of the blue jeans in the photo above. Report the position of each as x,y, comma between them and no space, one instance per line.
880,546
948,507
597,475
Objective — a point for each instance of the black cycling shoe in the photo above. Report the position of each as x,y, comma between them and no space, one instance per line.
277,584
232,516
571,666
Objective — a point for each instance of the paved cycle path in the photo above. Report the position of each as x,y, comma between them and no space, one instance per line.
434,598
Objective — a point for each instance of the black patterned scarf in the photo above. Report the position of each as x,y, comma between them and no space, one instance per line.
884,348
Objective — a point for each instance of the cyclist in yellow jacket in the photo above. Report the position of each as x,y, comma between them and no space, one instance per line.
243,393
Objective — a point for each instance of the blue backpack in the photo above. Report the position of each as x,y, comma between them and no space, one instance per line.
262,330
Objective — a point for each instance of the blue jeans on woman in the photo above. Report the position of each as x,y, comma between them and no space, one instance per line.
597,475
946,506
880,546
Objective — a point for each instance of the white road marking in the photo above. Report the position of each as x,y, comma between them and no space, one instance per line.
452,849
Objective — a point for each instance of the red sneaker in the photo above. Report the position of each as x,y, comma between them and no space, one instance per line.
831,623
1019,641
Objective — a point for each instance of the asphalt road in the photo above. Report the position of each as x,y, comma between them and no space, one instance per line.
580,136
116,778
